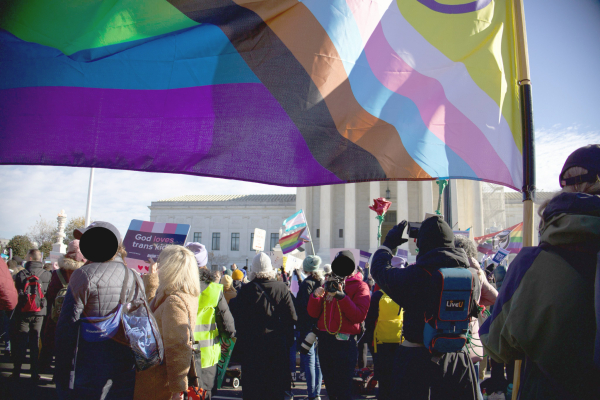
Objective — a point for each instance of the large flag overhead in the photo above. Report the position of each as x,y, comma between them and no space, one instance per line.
280,91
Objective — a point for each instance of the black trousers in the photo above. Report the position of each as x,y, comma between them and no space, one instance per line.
338,359
27,335
417,377
384,367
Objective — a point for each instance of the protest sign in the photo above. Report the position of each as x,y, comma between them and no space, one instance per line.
466,234
259,239
276,259
146,239
500,256
365,256
292,263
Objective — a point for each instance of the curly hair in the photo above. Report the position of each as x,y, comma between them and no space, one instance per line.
466,244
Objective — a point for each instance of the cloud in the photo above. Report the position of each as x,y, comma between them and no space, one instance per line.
553,146
118,196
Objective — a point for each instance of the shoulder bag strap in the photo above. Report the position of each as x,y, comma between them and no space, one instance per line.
269,298
123,298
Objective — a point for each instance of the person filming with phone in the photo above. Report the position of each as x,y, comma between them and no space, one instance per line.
340,306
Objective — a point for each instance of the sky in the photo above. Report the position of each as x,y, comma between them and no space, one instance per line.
563,38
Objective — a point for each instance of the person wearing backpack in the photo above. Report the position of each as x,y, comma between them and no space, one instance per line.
102,369
57,290
424,370
32,284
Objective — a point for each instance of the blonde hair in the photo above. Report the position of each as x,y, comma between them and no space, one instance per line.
178,271
583,187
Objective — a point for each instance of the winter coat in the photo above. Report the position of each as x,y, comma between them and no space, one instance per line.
33,268
251,311
173,313
353,307
229,294
237,285
409,286
545,311
307,287
488,298
94,291
8,291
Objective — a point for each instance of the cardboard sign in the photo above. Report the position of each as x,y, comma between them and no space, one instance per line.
292,263
500,256
259,239
145,239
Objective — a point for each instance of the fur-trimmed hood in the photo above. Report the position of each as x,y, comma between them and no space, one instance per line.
69,264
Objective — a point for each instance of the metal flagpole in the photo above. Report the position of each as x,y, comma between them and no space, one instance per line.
528,145
88,211
311,238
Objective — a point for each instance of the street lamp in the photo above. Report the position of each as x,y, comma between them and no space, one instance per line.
388,193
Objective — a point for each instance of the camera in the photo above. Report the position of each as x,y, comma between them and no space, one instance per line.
308,342
334,284
413,229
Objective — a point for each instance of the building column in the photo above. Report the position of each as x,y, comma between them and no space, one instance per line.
350,216
478,229
454,198
325,224
426,197
304,202
374,193
402,204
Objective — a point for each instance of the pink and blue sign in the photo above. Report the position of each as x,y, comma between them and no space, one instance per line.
146,239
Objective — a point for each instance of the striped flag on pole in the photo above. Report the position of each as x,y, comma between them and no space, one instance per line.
294,222
291,242
510,239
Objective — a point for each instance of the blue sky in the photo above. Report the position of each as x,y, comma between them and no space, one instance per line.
564,52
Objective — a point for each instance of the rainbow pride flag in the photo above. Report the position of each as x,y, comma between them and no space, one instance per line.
510,239
291,242
276,91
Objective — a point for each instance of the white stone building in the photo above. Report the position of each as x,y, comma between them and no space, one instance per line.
225,224
338,215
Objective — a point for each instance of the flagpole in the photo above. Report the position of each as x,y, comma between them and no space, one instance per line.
88,212
524,82
308,229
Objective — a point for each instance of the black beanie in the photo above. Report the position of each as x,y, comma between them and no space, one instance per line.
343,264
434,233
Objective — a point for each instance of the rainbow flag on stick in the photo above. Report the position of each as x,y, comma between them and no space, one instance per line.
286,92
510,239
291,242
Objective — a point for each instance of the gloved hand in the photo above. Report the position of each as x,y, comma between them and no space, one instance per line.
339,295
394,236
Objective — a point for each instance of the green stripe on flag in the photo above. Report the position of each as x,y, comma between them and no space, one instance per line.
75,25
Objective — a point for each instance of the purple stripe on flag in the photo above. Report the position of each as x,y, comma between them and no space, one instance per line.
234,131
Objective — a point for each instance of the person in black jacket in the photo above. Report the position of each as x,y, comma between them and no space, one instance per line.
309,363
418,375
29,324
264,317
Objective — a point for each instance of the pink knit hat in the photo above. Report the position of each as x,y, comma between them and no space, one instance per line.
73,251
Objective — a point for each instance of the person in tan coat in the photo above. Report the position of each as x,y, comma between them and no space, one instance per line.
174,291
228,291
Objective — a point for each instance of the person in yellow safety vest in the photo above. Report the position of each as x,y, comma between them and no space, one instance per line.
384,335
213,322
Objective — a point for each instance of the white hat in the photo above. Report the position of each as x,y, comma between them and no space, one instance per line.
199,252
261,263
327,269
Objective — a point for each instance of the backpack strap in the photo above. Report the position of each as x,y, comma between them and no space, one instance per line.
62,280
262,289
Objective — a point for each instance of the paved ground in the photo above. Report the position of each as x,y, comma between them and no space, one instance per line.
23,388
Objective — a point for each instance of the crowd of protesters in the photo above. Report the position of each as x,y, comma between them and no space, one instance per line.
544,311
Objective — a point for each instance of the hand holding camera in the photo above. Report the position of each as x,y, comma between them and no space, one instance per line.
394,236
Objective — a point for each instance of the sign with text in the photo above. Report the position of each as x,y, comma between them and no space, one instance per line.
365,256
500,256
259,239
292,263
276,259
146,239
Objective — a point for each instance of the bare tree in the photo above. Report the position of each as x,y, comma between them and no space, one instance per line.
43,231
